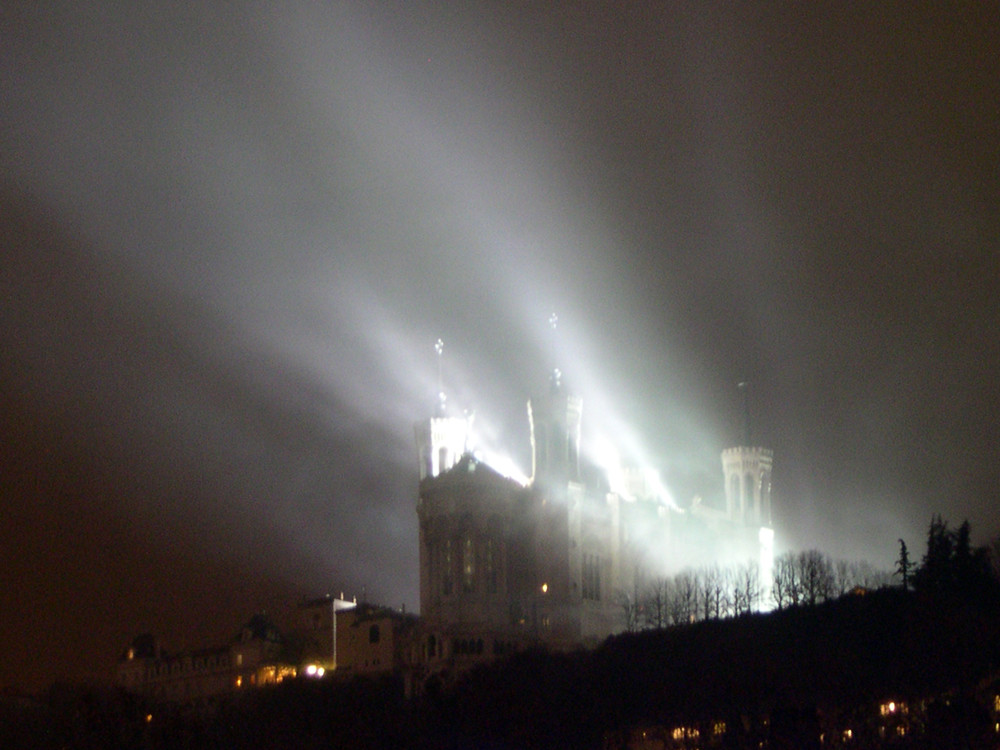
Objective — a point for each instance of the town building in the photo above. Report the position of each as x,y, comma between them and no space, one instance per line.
351,637
257,655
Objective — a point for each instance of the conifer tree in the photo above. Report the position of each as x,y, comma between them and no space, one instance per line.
903,565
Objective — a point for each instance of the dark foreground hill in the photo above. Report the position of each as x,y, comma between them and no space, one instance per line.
888,668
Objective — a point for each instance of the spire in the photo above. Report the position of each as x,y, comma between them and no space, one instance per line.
555,378
744,386
441,440
442,398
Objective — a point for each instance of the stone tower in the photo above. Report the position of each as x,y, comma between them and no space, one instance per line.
441,442
747,472
554,424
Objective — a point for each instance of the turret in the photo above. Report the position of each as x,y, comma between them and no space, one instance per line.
747,472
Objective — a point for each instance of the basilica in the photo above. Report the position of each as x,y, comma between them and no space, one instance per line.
506,564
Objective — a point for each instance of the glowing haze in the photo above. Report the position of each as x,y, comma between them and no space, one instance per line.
232,237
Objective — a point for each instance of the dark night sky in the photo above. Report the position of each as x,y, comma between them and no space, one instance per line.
230,237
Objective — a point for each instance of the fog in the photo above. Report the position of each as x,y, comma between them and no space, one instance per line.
232,237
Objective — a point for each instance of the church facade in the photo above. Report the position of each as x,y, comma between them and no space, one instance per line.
506,565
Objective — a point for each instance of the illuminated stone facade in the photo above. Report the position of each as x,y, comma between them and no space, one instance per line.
505,564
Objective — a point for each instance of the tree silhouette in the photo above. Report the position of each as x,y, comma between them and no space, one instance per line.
903,565
953,566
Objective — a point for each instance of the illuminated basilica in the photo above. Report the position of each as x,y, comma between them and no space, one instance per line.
505,564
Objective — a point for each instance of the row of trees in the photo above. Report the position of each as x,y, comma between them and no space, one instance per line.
715,592
951,564
811,577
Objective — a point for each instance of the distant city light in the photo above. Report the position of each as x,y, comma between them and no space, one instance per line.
314,670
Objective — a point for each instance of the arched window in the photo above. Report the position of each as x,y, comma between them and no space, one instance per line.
468,565
591,577
490,566
734,490
446,569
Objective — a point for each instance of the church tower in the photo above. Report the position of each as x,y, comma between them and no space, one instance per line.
554,423
747,472
441,440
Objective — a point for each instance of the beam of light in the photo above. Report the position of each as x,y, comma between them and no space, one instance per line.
324,231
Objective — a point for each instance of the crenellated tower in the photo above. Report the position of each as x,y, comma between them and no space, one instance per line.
747,472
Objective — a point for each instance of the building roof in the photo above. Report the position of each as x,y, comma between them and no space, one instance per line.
259,628
470,470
